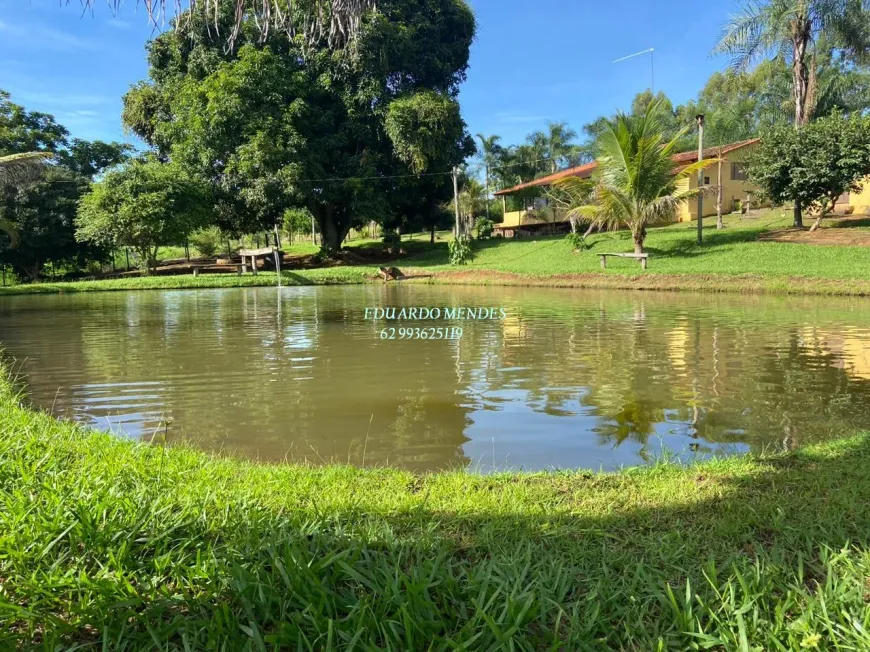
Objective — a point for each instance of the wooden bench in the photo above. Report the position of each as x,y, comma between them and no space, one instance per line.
198,266
253,254
641,257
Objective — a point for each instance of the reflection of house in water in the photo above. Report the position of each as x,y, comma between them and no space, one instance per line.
850,350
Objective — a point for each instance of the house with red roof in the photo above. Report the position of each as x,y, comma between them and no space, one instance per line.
538,214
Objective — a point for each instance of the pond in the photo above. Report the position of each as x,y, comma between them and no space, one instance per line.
566,379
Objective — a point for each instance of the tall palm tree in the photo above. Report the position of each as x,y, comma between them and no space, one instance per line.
560,145
490,150
634,183
16,169
790,29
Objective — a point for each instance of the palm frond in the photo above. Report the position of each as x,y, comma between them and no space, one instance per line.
20,168
336,21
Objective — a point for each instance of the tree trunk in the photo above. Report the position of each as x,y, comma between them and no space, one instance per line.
331,232
639,236
432,235
145,262
719,223
800,87
800,72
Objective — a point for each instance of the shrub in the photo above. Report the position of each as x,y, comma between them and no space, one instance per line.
392,239
577,242
460,250
207,241
484,227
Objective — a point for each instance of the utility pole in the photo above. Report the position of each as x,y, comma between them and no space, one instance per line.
486,180
700,119
456,200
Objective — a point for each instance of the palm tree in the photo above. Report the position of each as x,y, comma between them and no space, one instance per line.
634,183
471,199
17,169
790,29
490,150
560,145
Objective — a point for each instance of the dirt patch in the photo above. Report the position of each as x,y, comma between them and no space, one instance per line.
837,231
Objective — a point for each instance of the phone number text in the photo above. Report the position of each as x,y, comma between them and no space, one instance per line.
452,333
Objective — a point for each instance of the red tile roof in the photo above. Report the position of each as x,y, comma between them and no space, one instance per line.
581,171
584,171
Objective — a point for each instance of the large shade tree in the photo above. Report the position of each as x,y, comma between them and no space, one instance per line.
276,125
791,30
42,176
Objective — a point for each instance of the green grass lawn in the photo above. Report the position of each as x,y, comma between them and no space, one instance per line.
113,545
673,249
733,259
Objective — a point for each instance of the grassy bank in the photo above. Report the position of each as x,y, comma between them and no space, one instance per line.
744,257
324,276
114,545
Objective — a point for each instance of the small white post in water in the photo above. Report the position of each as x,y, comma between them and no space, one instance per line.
278,264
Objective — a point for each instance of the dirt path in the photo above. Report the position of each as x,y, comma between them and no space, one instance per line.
841,231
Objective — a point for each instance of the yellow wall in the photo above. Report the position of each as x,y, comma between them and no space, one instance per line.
860,200
732,189
519,218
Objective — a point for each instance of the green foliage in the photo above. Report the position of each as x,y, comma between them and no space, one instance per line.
143,205
42,215
483,226
207,241
28,131
460,250
283,124
422,125
797,32
576,241
815,164
391,239
90,158
635,184
297,221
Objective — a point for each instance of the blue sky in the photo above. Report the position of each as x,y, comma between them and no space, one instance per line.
532,61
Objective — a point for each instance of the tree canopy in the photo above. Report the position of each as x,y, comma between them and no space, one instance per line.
815,165
143,205
43,175
340,133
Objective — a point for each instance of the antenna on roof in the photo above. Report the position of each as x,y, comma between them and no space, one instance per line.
652,72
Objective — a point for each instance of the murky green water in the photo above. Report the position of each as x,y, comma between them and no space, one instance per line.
568,379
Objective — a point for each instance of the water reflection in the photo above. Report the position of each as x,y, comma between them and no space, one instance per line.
568,379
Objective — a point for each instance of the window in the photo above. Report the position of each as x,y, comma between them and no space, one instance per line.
706,181
738,172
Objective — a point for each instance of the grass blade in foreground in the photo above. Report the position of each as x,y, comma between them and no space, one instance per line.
114,545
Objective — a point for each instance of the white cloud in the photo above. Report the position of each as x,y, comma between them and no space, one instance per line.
117,23
39,38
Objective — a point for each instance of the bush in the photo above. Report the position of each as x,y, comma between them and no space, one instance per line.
484,227
207,241
460,250
577,242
